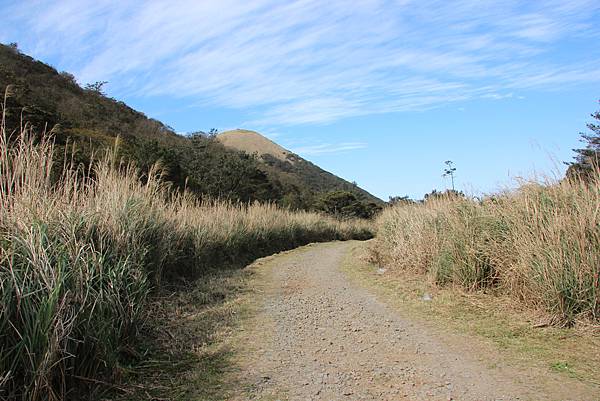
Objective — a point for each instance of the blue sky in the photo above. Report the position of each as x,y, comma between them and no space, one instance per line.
380,92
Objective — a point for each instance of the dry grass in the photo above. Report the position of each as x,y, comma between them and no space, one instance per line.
187,349
252,142
80,253
539,244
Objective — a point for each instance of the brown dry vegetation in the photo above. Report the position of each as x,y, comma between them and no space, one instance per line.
539,245
252,143
80,254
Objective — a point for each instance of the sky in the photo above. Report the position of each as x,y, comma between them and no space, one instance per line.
377,92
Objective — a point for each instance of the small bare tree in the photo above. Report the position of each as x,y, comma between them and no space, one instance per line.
96,87
450,171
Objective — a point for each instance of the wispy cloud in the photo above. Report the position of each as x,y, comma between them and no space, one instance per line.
309,61
328,148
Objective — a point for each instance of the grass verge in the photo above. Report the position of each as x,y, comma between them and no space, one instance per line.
198,338
188,352
491,319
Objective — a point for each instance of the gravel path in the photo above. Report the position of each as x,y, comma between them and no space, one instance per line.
317,336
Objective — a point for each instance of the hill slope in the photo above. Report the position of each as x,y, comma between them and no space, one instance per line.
252,142
46,97
86,117
290,169
224,168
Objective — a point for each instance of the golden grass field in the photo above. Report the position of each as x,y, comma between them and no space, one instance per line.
538,245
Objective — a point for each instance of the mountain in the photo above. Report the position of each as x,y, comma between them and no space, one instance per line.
237,165
294,172
252,142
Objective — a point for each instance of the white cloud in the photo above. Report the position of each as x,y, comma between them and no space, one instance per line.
309,61
328,148
497,96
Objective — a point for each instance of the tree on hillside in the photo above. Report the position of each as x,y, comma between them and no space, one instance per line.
587,159
69,77
147,153
224,174
96,87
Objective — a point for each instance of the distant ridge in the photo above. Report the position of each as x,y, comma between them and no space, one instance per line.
295,173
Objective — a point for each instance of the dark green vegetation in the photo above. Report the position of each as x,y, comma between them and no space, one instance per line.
87,118
305,185
587,159
346,205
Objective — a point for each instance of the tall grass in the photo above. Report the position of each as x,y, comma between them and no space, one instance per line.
80,253
540,244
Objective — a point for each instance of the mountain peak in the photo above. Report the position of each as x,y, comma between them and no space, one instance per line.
252,142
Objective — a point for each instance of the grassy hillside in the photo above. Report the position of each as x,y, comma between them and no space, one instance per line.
91,121
301,180
45,98
252,142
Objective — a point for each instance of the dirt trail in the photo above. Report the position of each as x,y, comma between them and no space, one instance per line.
317,336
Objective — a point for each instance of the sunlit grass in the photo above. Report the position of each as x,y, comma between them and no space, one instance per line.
80,253
539,244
